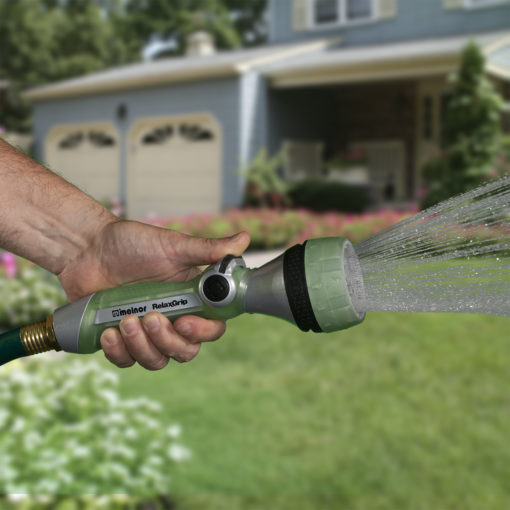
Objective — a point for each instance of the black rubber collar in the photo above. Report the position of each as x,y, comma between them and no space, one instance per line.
297,291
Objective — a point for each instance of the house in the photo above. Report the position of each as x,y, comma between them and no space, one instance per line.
169,136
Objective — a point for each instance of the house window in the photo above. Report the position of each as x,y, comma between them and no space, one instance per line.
444,101
340,12
484,3
358,9
428,117
326,11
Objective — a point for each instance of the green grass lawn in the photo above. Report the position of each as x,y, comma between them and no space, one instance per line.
405,411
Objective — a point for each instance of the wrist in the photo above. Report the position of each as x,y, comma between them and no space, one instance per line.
77,238
44,218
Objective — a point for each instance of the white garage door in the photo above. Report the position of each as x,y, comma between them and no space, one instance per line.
86,155
174,166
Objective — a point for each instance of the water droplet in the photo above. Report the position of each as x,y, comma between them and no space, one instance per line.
440,260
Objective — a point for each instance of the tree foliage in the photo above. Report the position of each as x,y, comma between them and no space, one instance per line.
48,40
472,141
42,41
232,23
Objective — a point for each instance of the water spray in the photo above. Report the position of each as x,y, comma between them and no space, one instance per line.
453,257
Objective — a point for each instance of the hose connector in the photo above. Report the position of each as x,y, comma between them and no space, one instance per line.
39,337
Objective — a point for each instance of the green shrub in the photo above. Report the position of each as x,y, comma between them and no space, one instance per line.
28,296
472,137
321,196
67,432
264,186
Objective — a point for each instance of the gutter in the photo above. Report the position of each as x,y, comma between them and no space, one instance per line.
330,73
79,86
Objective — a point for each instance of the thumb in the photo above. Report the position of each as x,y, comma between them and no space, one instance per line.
197,251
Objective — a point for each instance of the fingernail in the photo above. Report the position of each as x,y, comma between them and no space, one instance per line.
183,328
236,236
128,326
151,324
110,338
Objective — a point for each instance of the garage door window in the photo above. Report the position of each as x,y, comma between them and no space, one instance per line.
195,132
158,135
101,139
71,141
96,138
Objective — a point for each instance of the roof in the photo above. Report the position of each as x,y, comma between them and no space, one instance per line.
228,63
318,62
389,61
499,62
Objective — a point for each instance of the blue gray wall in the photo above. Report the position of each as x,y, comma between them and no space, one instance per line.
220,97
416,19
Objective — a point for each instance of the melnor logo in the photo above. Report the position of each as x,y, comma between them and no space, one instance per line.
167,305
121,312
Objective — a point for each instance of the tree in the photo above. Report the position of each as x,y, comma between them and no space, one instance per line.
232,23
249,20
49,40
472,141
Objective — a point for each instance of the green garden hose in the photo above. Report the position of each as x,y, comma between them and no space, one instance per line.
11,346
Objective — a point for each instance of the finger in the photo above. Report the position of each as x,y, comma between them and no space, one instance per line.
197,251
114,348
196,329
167,340
139,346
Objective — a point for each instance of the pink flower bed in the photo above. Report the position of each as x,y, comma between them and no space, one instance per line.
273,228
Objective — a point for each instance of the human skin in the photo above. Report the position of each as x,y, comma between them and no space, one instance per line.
52,223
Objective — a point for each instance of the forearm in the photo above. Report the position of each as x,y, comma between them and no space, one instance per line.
43,217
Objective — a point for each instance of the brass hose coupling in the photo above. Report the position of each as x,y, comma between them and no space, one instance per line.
39,337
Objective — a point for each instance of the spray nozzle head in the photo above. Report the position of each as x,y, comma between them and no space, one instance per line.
335,283
317,285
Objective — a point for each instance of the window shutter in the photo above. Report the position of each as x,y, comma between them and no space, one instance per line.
387,9
300,14
453,4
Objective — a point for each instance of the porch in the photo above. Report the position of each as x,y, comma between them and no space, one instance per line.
385,102
368,134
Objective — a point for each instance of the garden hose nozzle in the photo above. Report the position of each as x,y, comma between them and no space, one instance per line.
317,285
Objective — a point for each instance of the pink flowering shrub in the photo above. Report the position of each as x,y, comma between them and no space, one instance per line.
275,228
9,264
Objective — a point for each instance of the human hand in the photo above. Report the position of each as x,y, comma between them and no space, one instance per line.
130,252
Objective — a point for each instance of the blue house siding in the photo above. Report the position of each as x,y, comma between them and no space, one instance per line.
415,19
221,98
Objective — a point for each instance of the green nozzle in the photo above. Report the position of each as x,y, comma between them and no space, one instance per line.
335,283
317,286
